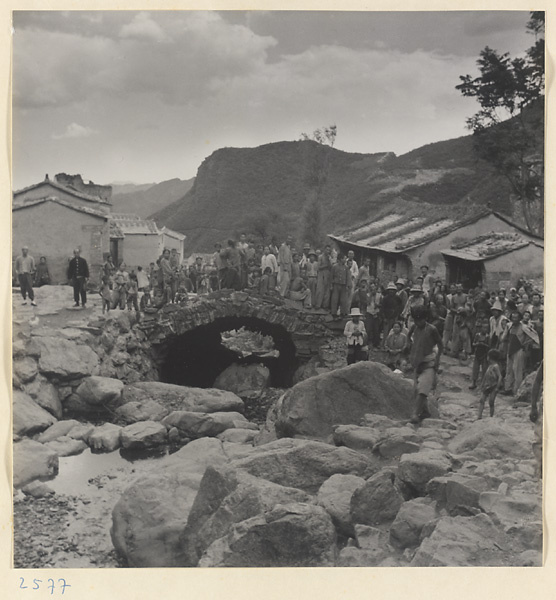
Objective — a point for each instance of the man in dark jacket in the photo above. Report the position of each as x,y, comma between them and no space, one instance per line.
78,274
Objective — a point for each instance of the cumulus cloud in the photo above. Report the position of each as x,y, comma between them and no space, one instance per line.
200,47
74,130
143,28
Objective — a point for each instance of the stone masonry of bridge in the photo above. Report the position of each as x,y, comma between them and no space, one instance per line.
51,363
308,329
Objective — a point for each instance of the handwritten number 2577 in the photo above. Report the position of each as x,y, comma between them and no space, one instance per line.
50,585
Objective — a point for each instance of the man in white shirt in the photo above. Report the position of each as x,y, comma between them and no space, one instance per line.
25,268
356,335
269,260
354,267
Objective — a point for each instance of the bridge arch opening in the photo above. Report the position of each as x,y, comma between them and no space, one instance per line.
196,357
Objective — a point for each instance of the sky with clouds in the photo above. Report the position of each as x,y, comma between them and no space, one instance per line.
142,97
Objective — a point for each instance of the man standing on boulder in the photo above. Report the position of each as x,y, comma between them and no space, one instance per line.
423,337
25,269
78,274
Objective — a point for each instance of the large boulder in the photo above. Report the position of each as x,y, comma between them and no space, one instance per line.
302,464
356,437
371,549
397,441
66,446
416,470
488,438
513,510
33,460
196,425
28,416
59,429
405,531
48,398
289,535
464,542
227,496
143,410
145,434
25,369
65,359
105,438
246,381
178,397
100,391
311,408
152,513
334,496
457,492
376,502
238,436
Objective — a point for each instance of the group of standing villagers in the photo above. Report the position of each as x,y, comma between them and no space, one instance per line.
28,274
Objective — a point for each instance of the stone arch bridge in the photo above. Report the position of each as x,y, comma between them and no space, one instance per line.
186,339
308,329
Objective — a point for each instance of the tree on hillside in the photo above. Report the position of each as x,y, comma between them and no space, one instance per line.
312,231
509,127
265,225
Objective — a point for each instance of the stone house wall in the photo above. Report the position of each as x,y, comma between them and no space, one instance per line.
54,231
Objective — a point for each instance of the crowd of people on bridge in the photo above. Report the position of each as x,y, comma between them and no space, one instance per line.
498,326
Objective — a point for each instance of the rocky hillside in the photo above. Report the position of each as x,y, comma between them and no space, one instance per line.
234,185
146,199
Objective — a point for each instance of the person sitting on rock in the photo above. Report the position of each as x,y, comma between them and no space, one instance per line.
265,282
395,344
491,382
146,303
299,291
42,275
356,335
422,340
181,297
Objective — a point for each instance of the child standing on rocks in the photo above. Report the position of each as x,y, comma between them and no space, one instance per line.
481,345
491,382
105,294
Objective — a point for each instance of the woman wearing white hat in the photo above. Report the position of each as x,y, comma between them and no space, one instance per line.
356,335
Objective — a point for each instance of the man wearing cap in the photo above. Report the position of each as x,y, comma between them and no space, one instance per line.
356,337
423,338
25,269
416,299
498,323
78,274
401,293
391,309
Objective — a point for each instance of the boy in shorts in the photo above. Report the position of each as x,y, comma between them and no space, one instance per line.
491,382
423,338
